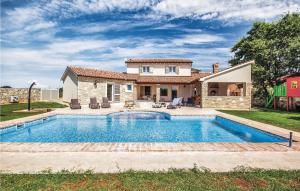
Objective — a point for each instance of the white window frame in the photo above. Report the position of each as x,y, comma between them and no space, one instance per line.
146,66
131,87
171,67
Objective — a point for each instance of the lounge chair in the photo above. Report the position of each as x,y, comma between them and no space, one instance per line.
94,104
157,105
105,103
129,104
177,102
75,104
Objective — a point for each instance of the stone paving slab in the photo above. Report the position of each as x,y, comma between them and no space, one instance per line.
112,162
145,147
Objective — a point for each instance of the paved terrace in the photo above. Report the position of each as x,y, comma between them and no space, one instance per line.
114,157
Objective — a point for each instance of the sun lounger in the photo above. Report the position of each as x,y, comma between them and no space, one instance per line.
129,104
94,104
177,102
105,103
156,105
75,104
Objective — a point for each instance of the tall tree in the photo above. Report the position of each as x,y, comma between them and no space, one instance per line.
275,47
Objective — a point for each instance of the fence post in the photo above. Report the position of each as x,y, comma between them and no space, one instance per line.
291,139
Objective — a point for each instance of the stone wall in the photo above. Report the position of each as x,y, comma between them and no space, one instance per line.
226,102
22,93
88,89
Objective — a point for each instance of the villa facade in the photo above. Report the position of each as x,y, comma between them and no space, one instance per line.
161,80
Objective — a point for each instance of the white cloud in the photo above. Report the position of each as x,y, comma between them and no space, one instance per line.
226,10
47,63
198,39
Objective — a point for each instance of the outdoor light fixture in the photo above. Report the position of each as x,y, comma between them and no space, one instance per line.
29,94
95,83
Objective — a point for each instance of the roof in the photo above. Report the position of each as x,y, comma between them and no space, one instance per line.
172,79
283,78
88,72
227,70
159,61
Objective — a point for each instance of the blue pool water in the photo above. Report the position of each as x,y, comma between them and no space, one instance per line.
135,127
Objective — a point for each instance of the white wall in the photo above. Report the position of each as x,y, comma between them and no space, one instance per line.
159,69
238,75
70,87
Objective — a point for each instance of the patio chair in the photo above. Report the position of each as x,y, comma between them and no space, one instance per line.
75,104
190,102
105,103
94,104
177,102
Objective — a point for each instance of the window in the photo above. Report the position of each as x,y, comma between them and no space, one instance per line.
147,90
146,69
172,69
129,88
294,84
163,91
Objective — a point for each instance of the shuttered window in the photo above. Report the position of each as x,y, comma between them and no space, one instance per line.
172,70
117,92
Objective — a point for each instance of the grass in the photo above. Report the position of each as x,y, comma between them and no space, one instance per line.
287,120
192,179
7,113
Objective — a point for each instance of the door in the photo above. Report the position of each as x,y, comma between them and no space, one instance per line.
109,92
147,90
174,93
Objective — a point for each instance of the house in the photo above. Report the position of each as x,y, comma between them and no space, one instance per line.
148,80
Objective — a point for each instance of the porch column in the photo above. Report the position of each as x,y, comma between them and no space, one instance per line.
157,92
135,92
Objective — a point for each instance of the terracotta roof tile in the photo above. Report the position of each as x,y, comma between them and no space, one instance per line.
88,72
172,79
159,60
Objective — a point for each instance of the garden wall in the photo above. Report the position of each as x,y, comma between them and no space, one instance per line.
22,93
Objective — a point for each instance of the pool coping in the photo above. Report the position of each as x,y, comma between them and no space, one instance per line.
152,147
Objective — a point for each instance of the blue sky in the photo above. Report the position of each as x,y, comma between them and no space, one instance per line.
40,38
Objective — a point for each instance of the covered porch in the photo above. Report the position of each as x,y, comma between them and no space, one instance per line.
165,92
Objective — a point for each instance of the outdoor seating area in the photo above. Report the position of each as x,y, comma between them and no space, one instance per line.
75,104
130,104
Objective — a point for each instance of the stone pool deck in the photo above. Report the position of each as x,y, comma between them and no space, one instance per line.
114,157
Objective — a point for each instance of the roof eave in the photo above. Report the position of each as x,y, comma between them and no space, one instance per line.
227,70
68,69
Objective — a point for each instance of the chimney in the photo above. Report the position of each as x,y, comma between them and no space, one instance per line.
215,68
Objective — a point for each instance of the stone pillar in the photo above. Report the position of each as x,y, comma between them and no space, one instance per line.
157,92
248,90
135,92
204,93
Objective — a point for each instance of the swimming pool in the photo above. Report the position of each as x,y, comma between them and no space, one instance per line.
135,127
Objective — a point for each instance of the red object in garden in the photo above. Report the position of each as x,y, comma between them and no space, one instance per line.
293,86
292,83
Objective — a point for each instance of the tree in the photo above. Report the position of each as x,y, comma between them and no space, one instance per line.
5,86
275,47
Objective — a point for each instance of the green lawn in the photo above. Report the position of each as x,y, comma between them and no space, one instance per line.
7,113
287,120
171,180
